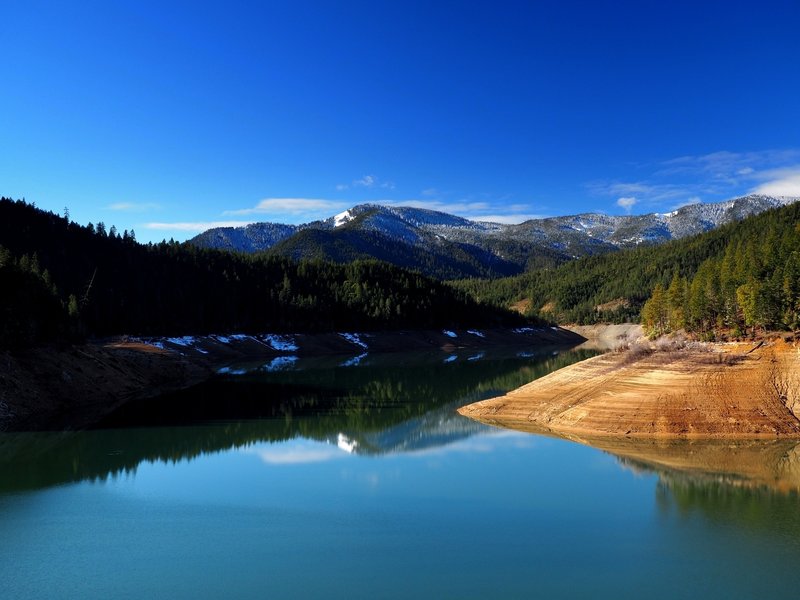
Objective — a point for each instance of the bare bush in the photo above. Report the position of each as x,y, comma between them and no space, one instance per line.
667,344
636,351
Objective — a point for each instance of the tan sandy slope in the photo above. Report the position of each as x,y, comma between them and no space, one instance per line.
702,391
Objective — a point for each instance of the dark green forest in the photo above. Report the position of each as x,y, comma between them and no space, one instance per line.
759,252
753,284
61,280
64,281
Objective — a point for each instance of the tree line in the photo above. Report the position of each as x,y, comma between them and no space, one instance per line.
62,280
753,284
755,252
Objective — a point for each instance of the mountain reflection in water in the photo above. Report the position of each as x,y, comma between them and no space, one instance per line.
317,478
323,408
385,404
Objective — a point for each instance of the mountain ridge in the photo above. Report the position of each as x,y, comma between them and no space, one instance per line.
448,246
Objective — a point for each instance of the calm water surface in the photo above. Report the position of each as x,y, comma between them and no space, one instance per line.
355,478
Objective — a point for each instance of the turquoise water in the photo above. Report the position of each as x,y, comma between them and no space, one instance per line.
312,479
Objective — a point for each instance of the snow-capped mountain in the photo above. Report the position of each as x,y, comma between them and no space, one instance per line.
449,246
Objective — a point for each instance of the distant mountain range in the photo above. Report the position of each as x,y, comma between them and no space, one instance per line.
449,247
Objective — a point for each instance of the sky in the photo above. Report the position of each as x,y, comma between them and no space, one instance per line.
173,117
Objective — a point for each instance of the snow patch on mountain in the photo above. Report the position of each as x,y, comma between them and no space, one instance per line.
342,218
484,242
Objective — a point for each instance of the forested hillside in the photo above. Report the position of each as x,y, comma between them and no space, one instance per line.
614,287
442,260
753,284
446,246
60,280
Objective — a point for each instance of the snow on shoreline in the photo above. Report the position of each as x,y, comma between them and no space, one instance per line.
283,343
287,343
355,338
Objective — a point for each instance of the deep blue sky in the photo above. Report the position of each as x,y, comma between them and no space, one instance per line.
146,115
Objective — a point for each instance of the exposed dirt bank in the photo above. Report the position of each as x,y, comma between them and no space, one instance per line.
700,391
52,388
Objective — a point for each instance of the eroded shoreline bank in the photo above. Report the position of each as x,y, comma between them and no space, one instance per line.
72,387
709,391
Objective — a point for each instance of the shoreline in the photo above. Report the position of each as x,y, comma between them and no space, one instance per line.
57,388
700,391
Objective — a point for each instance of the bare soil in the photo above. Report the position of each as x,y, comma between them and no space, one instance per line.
72,387
700,391
53,388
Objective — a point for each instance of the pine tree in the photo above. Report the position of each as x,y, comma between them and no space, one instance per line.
655,313
676,301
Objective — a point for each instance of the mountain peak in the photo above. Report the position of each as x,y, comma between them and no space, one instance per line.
446,245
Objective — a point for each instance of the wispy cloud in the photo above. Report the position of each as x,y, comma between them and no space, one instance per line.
309,209
458,207
509,219
494,212
291,206
627,202
651,192
728,167
367,181
706,177
197,226
133,206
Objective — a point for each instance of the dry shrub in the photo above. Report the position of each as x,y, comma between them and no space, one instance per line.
635,351
667,344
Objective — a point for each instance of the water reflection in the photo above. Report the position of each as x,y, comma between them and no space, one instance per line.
747,464
385,404
754,484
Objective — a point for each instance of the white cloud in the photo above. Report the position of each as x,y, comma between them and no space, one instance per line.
196,225
133,206
726,165
510,219
367,181
627,202
462,208
785,183
729,171
618,188
473,210
292,206
713,177
297,456
651,192
309,209
297,451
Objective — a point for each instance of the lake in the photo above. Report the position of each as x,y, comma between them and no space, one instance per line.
354,477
